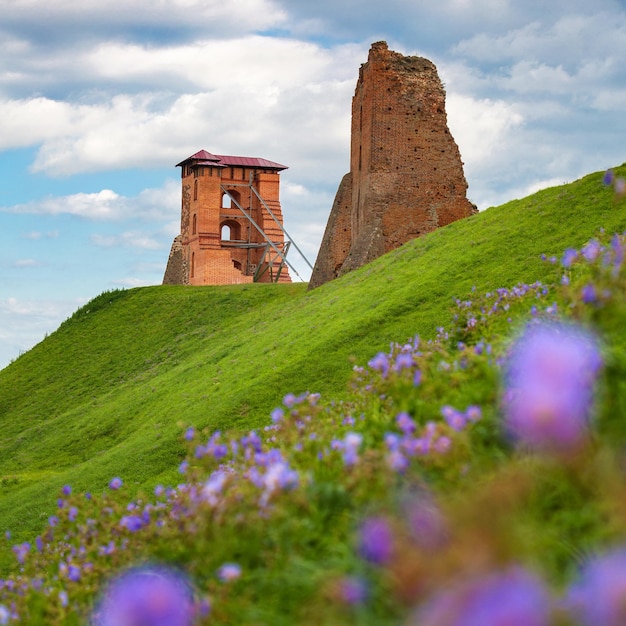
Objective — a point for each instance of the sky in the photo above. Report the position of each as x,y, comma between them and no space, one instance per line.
100,99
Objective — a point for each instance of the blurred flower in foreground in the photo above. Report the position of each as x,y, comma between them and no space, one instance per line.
375,540
549,387
513,597
229,572
599,596
150,596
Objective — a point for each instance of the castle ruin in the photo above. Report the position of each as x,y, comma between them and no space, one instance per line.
231,228
406,175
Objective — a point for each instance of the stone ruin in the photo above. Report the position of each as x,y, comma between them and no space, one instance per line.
406,176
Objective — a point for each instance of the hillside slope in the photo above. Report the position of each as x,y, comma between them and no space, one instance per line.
109,392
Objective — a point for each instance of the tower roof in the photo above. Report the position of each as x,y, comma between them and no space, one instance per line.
219,160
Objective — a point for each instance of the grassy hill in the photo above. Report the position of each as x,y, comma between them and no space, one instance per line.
109,393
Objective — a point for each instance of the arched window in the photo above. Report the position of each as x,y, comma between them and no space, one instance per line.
195,189
194,227
230,230
227,202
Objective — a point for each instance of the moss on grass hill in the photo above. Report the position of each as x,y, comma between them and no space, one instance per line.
110,391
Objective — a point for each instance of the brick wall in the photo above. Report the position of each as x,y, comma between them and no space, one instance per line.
199,255
405,167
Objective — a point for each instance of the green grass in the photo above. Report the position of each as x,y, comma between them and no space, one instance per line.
109,392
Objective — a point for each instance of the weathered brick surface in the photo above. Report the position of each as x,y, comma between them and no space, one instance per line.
199,255
405,168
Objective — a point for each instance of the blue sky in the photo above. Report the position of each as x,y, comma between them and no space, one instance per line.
100,99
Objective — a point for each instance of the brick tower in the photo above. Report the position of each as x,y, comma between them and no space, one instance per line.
406,175
231,223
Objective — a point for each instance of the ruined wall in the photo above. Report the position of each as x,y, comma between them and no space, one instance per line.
406,175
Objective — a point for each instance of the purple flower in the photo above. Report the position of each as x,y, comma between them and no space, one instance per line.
455,419
229,572
152,596
115,483
353,590
588,294
591,251
67,490
277,415
350,446
375,540
72,513
417,378
405,423
597,597
380,363
569,256
549,386
21,551
73,573
513,597
403,361
190,433
608,178
133,523
397,461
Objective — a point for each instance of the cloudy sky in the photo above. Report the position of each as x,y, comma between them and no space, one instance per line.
99,99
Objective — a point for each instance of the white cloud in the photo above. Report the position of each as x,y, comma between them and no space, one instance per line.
25,263
214,16
481,127
24,323
128,239
150,204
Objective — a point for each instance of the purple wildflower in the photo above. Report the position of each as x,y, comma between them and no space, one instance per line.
549,385
183,467
350,446
190,433
133,523
597,597
66,490
589,294
569,256
115,483
403,361
72,513
152,596
591,251
375,540
289,400
455,419
277,415
608,178
513,597
417,378
353,590
21,551
405,423
229,572
380,363
73,573
397,461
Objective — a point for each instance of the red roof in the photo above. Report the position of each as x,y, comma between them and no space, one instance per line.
219,160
